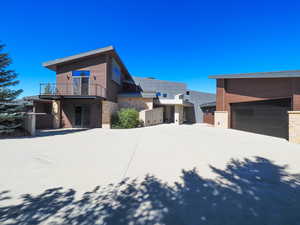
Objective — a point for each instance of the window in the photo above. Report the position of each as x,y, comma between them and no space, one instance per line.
165,95
81,73
116,72
80,82
187,93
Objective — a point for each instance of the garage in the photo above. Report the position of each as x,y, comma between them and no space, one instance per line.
263,117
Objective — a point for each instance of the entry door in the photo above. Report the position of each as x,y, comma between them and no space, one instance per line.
80,85
78,116
82,116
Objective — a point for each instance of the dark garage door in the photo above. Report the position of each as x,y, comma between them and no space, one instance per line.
262,117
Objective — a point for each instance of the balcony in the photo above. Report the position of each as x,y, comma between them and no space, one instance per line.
56,90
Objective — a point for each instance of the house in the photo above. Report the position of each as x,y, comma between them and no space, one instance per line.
265,103
93,85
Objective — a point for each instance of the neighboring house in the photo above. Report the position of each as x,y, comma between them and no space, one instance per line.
92,86
265,103
208,110
167,90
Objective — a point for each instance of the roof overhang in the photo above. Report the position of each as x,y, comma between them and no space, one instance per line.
138,95
208,104
277,74
54,63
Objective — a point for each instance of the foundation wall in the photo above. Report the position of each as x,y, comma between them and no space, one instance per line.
108,109
294,126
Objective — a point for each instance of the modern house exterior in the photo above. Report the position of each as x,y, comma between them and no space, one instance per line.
92,86
265,103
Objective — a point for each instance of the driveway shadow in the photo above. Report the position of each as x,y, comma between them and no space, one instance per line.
48,132
53,132
246,192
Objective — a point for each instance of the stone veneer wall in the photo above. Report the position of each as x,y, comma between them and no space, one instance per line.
294,126
136,103
108,109
56,109
221,119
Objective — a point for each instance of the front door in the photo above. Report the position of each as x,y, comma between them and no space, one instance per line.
78,116
82,116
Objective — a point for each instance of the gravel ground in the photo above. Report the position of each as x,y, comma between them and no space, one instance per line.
84,159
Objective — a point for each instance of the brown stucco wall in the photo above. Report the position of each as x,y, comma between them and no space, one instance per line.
96,65
101,73
68,112
113,88
256,89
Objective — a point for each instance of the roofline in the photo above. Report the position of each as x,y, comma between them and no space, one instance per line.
168,81
209,104
52,63
274,74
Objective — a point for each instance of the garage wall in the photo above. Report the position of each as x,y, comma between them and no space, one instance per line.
256,89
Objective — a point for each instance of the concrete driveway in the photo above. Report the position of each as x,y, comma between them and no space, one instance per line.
85,159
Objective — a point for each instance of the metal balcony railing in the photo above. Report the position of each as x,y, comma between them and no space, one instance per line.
60,89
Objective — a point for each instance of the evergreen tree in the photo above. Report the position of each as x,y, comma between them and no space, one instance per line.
11,115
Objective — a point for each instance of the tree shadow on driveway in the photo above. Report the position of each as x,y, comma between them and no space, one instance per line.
245,192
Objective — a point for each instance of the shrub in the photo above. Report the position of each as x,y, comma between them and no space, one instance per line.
126,118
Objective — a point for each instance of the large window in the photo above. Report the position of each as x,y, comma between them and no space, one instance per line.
116,72
80,82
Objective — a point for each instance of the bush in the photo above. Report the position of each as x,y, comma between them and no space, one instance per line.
126,118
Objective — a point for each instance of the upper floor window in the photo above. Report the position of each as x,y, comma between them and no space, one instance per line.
80,82
116,72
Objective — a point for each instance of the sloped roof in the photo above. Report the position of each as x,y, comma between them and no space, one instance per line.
275,74
208,104
52,63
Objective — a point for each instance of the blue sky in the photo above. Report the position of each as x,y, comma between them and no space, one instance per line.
171,40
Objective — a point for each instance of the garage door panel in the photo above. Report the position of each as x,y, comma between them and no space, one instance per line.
263,117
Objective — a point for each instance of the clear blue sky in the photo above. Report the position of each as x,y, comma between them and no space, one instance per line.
172,40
